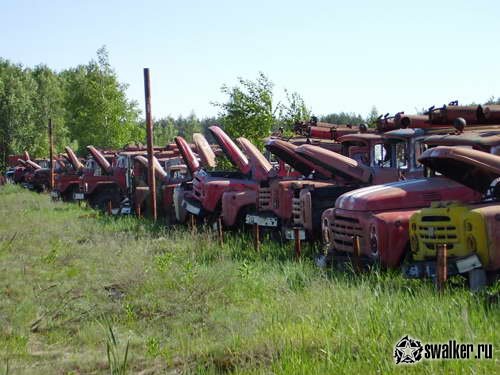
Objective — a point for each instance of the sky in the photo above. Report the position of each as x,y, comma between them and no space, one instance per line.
338,55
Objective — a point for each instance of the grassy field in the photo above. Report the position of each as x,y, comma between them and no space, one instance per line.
79,292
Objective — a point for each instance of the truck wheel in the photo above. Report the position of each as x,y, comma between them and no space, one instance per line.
100,202
477,279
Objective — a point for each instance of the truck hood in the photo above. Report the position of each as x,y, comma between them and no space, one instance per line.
205,152
75,162
233,153
287,152
259,164
187,154
404,195
32,164
159,171
483,138
336,163
100,159
472,168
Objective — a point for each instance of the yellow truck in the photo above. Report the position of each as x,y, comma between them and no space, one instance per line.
471,232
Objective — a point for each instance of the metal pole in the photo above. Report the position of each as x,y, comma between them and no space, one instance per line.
442,267
51,156
149,135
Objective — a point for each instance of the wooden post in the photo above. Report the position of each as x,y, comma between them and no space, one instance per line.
296,236
219,230
442,266
149,135
356,248
110,208
51,156
256,237
192,221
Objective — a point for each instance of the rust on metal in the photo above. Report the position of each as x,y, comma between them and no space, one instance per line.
77,165
442,266
149,134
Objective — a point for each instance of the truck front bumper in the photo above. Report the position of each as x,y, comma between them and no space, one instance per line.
193,206
263,220
78,196
422,269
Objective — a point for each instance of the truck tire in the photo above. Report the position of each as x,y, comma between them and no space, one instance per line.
100,201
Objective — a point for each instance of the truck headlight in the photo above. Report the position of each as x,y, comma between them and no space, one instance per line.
373,240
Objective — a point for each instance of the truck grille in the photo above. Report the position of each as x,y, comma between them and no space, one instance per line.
437,230
343,231
296,212
264,198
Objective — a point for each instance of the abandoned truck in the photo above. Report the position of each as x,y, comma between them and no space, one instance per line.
208,188
114,183
169,173
378,216
471,232
272,206
67,180
374,159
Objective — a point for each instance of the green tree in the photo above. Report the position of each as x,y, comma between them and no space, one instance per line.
249,110
343,118
293,111
17,89
371,119
492,100
97,109
48,103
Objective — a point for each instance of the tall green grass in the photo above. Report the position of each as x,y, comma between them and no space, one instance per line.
174,301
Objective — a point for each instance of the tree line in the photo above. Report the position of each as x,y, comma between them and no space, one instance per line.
88,105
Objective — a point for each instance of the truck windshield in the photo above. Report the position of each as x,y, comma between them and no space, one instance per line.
402,156
383,155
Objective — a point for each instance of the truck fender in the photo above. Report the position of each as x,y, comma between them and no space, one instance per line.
233,202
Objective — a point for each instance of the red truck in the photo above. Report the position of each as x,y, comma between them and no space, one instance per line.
115,182
368,158
169,173
378,216
208,187
67,179
272,205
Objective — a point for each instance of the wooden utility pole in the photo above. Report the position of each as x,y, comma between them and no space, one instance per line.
149,135
51,156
